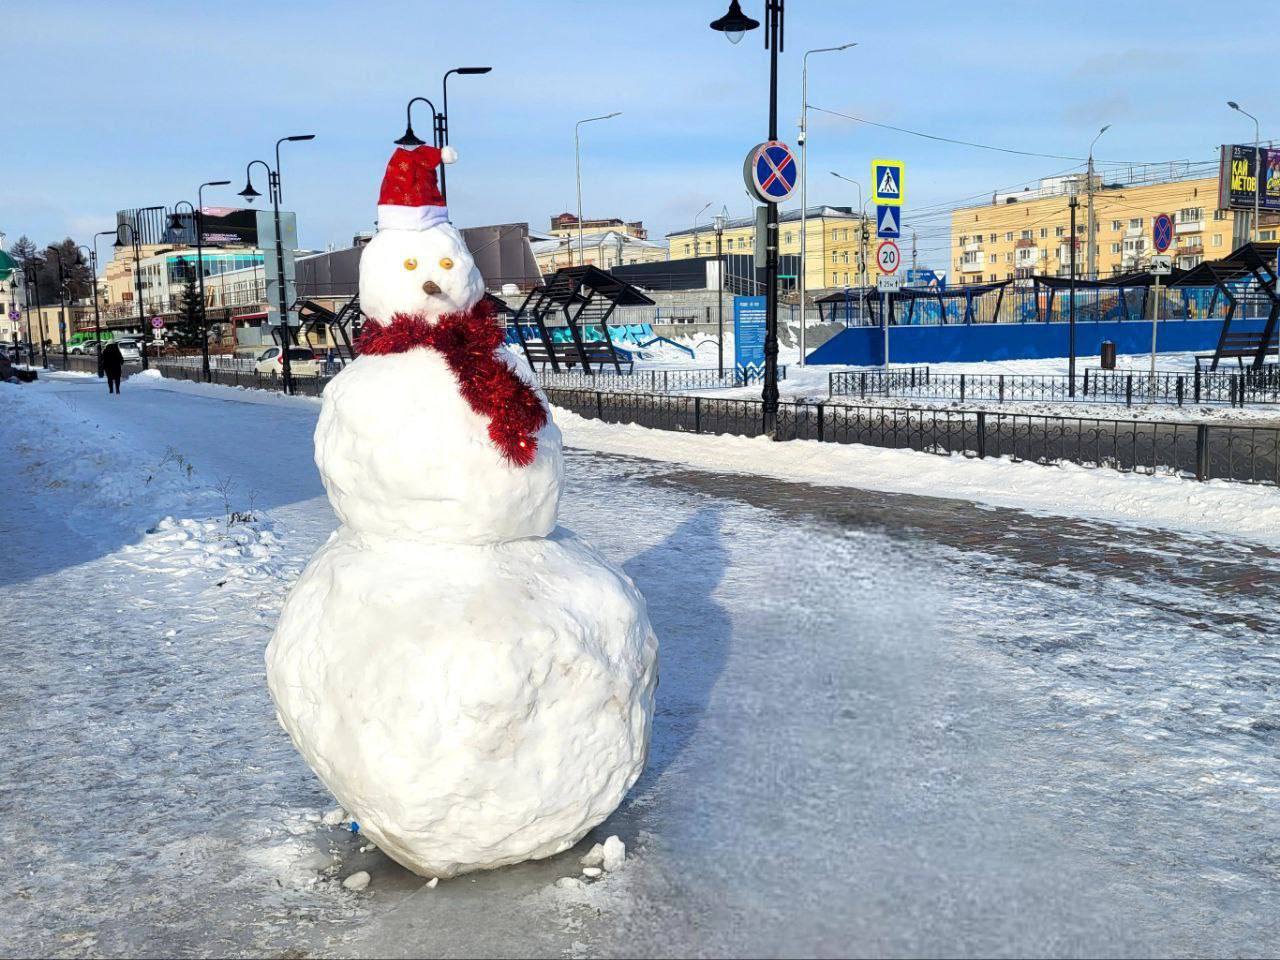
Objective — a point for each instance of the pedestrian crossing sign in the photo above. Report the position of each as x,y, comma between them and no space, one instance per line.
887,182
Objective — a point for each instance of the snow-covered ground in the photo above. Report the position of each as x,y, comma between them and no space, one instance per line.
888,723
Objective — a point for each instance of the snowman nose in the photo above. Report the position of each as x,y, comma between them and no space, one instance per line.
430,287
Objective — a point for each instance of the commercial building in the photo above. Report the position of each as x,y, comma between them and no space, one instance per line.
604,248
1021,234
840,241
566,224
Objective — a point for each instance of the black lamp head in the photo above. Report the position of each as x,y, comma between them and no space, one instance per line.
734,23
248,192
119,244
410,139
472,71
175,221
300,137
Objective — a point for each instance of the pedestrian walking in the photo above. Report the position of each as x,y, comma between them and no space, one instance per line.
111,360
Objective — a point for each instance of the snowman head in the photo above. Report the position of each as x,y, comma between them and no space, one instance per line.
418,272
418,263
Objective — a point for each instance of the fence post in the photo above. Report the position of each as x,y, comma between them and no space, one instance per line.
1128,390
1197,384
665,384
1180,389
1235,389
1202,451
831,384
913,377
862,377
599,405
821,432
982,435
1086,381
962,388
697,414
1002,388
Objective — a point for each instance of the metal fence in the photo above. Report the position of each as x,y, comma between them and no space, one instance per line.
1202,451
654,380
1093,386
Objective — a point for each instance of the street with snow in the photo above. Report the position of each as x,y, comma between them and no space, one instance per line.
908,704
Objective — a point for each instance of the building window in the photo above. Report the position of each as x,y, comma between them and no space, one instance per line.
1219,215
1115,248
994,237
1044,232
834,255
1116,225
686,253
1026,235
786,237
1059,231
1009,237
1135,223
1217,239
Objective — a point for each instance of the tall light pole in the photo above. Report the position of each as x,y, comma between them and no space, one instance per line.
862,240
577,159
273,187
1257,164
720,220
197,225
1073,203
442,121
1091,226
64,317
97,319
804,183
734,24
696,251
32,274
135,241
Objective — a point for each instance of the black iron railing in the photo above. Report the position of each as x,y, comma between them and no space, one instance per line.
659,380
1093,386
1202,451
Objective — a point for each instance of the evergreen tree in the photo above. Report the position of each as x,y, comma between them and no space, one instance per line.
188,331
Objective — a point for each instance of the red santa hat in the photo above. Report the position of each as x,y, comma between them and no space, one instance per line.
410,197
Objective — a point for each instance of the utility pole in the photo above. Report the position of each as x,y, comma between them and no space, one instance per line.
1091,252
914,254
1071,323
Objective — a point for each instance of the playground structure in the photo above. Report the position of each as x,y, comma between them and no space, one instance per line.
565,321
1229,306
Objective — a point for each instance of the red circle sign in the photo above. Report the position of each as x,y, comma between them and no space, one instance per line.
1162,232
888,257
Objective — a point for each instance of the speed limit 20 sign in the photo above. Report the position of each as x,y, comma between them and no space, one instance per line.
888,257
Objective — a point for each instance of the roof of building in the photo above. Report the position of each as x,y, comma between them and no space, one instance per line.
787,216
602,238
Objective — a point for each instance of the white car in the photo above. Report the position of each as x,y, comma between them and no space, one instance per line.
129,350
302,362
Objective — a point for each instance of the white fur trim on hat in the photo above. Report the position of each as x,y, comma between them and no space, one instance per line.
393,217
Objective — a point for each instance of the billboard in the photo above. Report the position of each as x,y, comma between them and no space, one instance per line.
1237,178
230,226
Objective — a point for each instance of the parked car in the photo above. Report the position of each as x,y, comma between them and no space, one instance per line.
129,350
302,362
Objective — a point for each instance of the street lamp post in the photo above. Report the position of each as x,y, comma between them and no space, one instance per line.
33,283
862,242
97,316
1091,251
273,187
733,25
696,249
411,139
804,183
63,318
442,119
14,316
1071,324
1257,164
720,220
197,224
577,159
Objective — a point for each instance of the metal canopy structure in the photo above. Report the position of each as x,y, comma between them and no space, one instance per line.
1247,274
582,295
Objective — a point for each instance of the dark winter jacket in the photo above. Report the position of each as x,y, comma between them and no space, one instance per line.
112,360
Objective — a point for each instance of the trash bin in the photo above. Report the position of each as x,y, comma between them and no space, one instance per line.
1108,355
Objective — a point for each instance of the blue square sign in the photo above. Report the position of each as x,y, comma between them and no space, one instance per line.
888,222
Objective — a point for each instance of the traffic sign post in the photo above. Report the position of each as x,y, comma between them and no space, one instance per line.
770,172
888,258
887,182
888,222
157,323
1161,266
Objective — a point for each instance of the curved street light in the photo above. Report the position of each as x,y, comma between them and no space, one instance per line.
577,157
1257,163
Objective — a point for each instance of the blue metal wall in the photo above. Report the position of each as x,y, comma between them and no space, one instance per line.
958,343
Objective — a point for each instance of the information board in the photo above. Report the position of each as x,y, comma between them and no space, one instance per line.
748,336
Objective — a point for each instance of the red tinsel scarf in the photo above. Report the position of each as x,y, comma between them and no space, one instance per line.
469,341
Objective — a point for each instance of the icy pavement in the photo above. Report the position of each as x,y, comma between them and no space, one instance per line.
888,724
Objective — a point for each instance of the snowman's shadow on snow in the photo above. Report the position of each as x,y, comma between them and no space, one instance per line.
678,578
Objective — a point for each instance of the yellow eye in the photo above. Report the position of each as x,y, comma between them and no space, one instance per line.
411,264
446,263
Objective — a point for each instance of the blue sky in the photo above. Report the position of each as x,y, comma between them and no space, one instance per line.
131,103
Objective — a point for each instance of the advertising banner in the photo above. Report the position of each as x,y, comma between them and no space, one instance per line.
1237,179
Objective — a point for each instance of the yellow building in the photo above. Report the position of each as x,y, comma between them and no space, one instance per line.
1022,234
839,242
566,225
605,249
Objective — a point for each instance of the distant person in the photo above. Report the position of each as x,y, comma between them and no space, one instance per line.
112,362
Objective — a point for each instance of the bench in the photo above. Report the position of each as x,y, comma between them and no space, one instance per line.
567,355
1237,345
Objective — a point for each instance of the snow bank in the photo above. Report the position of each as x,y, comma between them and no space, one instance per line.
1216,506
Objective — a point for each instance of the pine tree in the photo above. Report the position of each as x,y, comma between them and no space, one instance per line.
188,331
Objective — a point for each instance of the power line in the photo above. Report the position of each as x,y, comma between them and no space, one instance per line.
970,143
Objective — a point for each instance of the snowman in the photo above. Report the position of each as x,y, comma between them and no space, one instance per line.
473,683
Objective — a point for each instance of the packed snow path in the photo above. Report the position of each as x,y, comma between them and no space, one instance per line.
887,724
